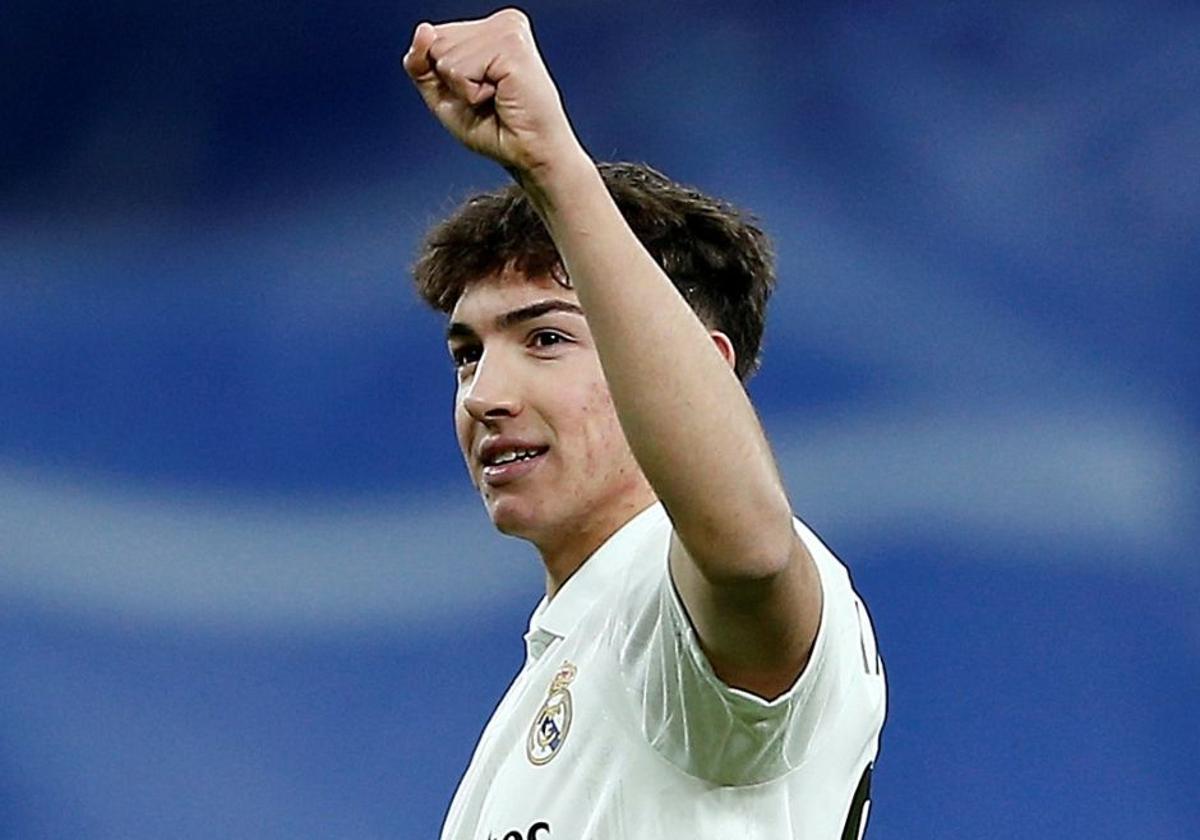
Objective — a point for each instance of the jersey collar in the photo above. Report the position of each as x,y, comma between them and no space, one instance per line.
554,618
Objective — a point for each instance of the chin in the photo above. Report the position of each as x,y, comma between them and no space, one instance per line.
513,517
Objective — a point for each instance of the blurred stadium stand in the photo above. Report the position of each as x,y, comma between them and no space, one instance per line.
245,589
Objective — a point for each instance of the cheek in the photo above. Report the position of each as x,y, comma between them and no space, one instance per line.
608,453
461,429
462,434
461,419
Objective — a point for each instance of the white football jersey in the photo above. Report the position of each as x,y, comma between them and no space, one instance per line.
616,727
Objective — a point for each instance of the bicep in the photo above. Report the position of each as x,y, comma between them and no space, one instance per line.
709,714
757,634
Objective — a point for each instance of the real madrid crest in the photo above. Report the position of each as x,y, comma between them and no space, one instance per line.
553,720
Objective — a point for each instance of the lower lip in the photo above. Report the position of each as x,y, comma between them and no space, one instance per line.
507,473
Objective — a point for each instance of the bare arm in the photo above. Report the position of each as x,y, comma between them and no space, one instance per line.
748,583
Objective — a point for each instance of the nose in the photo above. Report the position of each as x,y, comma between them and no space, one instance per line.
492,392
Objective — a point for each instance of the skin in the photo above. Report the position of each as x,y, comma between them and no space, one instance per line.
748,583
540,380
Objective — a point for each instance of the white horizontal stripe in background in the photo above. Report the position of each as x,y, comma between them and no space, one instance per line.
1042,484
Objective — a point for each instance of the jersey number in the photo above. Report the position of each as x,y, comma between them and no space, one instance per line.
537,831
860,805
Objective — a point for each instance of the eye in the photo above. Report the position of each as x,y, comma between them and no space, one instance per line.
546,338
466,354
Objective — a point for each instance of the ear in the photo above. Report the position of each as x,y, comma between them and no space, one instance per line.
725,346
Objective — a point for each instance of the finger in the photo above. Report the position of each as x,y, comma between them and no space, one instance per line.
417,61
464,69
483,92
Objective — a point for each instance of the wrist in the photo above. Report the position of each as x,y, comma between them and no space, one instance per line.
558,177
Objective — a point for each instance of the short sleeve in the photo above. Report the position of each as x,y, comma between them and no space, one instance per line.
722,734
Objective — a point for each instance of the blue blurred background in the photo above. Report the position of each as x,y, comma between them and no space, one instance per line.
245,588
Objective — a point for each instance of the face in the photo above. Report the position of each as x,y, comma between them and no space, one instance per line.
533,416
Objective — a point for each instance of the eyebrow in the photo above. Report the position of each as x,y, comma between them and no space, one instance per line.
458,329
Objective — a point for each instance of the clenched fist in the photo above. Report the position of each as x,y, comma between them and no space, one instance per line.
487,84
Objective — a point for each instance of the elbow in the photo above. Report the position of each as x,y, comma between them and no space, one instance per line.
750,562
753,540
772,548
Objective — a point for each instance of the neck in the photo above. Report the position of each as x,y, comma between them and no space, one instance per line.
579,541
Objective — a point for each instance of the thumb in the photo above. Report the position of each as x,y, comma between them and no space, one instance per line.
417,62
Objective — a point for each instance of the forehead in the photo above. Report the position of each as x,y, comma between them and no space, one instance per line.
485,299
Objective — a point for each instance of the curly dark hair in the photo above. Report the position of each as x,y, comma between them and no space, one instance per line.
717,257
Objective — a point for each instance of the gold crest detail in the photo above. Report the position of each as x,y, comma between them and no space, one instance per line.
553,720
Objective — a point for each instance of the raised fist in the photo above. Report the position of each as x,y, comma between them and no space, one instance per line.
487,84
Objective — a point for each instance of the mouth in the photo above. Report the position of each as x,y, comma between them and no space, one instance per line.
507,467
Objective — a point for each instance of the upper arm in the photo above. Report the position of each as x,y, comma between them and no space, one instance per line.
715,706
757,632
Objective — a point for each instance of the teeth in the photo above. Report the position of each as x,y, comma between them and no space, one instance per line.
515,455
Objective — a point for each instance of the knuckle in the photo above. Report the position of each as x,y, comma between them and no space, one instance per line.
513,17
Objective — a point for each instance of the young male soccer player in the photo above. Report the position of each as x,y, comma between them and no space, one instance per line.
700,666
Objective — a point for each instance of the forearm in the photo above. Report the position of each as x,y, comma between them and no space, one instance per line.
747,581
685,415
